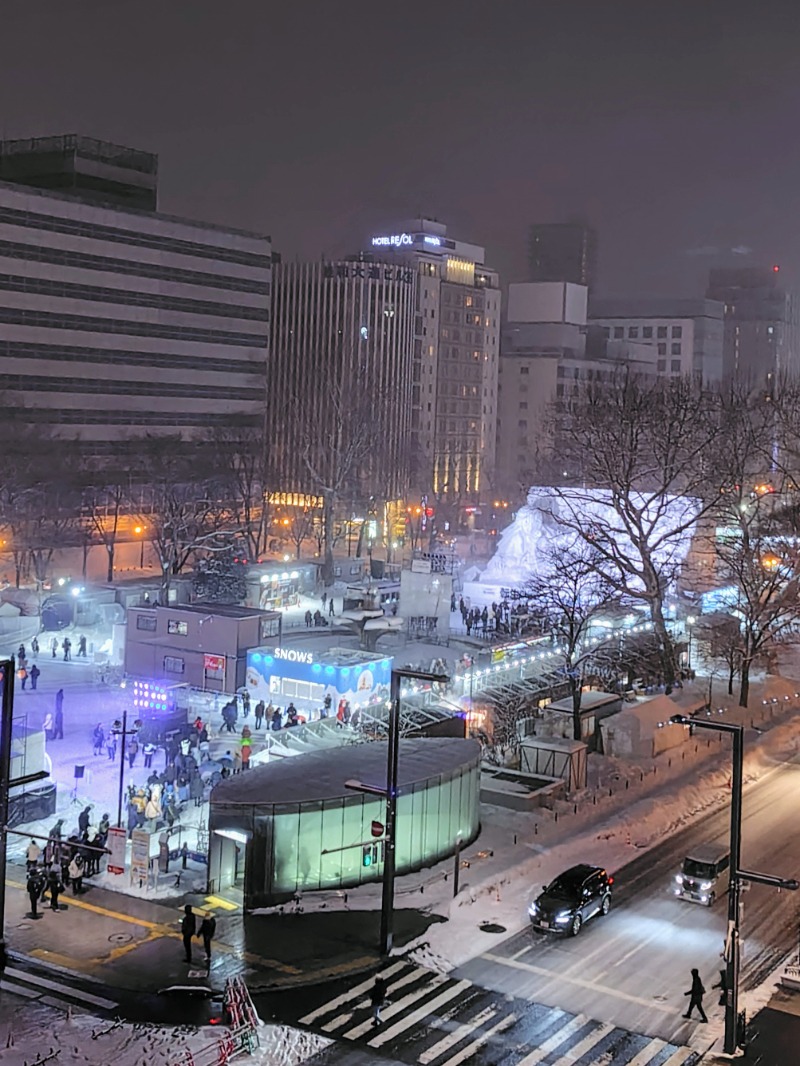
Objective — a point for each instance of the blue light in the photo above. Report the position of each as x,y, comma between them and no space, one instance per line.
257,656
316,668
268,660
329,671
345,671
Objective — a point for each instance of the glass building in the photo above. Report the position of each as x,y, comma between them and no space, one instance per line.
292,826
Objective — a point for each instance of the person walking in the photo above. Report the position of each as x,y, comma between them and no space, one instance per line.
132,751
208,928
54,646
309,619
377,998
54,887
148,750
35,671
35,648
67,646
34,888
21,653
259,713
76,874
98,739
32,855
22,674
48,726
82,648
84,818
188,930
245,703
331,611
696,993
58,726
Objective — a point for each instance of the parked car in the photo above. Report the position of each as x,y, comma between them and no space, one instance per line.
572,899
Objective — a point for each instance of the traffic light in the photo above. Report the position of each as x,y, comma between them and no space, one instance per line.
368,855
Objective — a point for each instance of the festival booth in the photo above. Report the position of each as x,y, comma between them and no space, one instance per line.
294,675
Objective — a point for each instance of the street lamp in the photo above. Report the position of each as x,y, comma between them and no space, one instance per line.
139,531
690,621
737,875
390,794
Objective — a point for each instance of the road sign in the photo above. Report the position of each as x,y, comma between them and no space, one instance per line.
377,829
116,844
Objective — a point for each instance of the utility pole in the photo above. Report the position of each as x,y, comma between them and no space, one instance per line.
734,1038
124,733
390,794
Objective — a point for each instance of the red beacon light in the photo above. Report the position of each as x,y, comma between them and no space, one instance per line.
776,269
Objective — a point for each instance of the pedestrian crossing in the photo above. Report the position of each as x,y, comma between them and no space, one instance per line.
432,1019
32,986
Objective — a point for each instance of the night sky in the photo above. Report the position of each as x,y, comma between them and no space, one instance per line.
673,127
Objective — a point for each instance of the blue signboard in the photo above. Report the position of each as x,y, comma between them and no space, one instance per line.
305,678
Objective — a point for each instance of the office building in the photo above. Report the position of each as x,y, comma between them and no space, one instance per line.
562,251
762,331
686,335
342,345
547,352
115,320
455,354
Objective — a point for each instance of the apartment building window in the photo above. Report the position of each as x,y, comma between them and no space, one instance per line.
676,366
606,332
173,665
524,369
675,349
647,332
677,331
662,365
523,405
619,332
633,332
662,331
662,349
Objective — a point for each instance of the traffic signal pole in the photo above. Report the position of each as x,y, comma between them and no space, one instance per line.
6,727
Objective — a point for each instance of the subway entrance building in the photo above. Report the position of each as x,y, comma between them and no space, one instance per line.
292,826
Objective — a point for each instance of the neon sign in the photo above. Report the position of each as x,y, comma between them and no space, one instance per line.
293,656
435,241
393,241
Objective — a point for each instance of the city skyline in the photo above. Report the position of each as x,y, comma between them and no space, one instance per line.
664,132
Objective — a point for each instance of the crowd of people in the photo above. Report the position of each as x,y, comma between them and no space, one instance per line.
62,863
497,618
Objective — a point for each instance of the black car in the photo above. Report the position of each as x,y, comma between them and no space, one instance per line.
574,897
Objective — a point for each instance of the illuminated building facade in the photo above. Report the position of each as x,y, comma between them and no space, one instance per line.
455,360
342,345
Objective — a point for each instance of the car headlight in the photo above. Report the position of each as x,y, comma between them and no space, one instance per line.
563,917
679,878
705,885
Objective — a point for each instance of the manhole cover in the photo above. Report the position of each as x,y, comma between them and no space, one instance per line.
120,938
491,927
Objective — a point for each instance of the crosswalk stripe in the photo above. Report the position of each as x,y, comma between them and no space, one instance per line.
677,1058
555,1041
398,1006
420,1012
648,1052
346,997
342,1019
18,990
458,1034
64,990
589,1041
479,1041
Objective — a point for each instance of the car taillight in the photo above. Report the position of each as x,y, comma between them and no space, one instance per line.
611,880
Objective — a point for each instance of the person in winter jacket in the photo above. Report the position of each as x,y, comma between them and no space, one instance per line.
188,930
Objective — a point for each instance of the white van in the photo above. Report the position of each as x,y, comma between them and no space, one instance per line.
704,874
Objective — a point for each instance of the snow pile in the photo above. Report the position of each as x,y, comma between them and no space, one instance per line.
39,1034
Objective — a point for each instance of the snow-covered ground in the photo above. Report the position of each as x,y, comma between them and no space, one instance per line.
34,1034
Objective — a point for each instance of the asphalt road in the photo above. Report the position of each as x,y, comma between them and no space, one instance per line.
631,968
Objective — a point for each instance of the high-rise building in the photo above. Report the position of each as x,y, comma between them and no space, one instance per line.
762,324
455,353
547,352
341,364
562,251
117,321
686,335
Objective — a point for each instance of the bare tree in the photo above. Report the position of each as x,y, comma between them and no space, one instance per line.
243,471
104,504
303,523
568,595
650,447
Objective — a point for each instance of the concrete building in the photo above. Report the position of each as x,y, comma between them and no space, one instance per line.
762,324
116,321
342,344
562,251
544,357
455,355
686,335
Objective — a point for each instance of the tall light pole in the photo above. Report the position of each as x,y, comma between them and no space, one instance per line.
390,793
690,621
733,1038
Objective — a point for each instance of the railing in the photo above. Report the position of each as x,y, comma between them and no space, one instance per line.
240,1037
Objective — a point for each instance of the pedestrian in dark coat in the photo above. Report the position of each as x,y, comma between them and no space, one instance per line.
84,818
696,993
35,671
245,703
55,887
208,928
188,930
82,647
132,750
98,739
58,725
196,789
377,998
259,713
34,887
66,644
